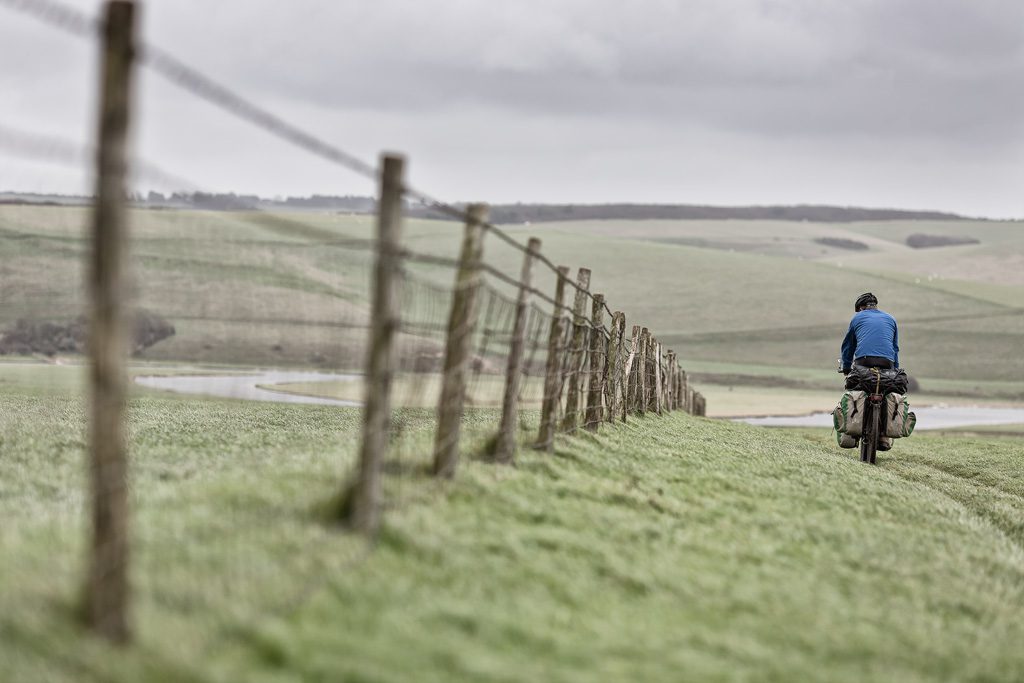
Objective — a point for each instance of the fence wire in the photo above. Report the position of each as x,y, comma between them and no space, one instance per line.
249,336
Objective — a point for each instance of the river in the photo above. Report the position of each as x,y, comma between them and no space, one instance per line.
937,417
247,386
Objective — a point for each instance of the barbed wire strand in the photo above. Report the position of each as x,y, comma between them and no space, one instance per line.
194,81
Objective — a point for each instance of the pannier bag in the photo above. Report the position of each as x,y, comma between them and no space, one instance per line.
899,419
848,415
846,441
889,381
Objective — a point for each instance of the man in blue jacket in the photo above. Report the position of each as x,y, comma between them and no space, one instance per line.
872,340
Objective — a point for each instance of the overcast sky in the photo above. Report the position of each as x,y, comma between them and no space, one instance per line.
889,103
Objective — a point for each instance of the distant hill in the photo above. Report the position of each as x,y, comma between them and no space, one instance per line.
505,213
209,201
538,213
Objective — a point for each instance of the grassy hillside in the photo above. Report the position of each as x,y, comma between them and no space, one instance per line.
245,288
668,547
791,297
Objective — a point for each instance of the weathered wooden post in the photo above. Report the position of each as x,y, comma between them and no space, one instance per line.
505,447
608,349
576,358
596,387
631,378
675,384
107,591
613,378
670,379
675,381
678,387
681,389
645,346
658,388
683,385
461,325
553,369
365,501
652,347
621,373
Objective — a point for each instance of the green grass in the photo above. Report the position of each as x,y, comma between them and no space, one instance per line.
667,547
422,390
749,291
244,290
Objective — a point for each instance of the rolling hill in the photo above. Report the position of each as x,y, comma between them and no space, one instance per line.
277,288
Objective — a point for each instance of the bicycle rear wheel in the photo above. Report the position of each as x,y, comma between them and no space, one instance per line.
875,432
869,437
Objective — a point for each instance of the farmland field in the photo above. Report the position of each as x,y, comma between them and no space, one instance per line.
665,546
673,544
264,291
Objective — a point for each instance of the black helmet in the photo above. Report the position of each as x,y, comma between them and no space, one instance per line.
865,300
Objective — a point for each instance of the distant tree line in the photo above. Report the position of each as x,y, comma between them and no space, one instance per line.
842,243
248,202
210,201
922,241
507,213
538,213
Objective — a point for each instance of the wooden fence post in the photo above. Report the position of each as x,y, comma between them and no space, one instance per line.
630,375
651,348
683,386
505,448
553,367
365,499
613,380
672,374
608,347
579,340
675,381
461,325
645,345
670,379
658,380
107,592
595,393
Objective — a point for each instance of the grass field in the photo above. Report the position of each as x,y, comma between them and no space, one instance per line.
961,309
670,547
242,288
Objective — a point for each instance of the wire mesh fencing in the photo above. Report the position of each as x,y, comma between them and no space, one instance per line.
268,376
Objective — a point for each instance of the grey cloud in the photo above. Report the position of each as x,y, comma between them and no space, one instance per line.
921,81
902,67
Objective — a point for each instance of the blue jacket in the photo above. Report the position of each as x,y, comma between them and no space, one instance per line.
872,333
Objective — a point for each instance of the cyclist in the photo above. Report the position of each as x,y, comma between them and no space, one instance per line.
873,339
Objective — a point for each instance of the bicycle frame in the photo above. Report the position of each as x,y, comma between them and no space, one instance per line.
873,407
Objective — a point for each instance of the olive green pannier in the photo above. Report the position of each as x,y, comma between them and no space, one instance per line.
848,418
899,419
